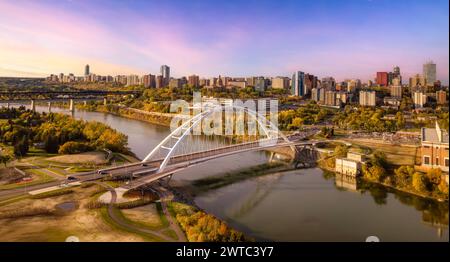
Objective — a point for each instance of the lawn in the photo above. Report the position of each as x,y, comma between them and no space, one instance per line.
39,178
395,154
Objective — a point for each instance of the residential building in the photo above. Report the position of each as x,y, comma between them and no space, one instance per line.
441,97
419,99
175,83
204,82
315,94
240,84
160,81
280,82
330,98
343,97
392,101
435,148
149,81
132,80
328,83
396,91
417,80
86,70
165,72
382,78
260,84
194,80
367,98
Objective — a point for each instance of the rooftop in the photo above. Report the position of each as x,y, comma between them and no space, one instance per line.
434,135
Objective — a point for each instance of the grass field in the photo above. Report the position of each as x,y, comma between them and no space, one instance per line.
395,154
39,178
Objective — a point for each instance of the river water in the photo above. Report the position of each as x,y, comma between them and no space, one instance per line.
299,205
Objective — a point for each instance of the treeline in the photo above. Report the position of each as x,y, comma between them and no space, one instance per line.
202,227
431,184
56,133
310,114
368,119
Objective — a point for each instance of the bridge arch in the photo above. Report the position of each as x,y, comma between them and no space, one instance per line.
171,142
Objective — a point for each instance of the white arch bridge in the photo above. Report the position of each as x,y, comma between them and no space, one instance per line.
182,148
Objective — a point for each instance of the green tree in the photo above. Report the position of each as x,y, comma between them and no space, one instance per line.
21,147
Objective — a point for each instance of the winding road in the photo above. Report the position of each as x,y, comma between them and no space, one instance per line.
172,224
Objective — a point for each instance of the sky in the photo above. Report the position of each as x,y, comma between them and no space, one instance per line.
340,38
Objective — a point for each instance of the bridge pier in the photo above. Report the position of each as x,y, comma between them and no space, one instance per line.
105,102
7,105
71,106
85,102
49,107
33,106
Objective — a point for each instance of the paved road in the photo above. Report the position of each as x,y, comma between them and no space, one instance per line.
9,193
123,223
165,195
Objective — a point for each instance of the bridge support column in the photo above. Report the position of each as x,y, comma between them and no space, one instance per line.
33,106
49,107
85,102
7,105
71,106
105,102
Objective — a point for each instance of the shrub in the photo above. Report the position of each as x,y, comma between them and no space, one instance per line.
54,193
72,147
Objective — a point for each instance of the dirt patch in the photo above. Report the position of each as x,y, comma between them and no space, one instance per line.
148,215
87,225
96,158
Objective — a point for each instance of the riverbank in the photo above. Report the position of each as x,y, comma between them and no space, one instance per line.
323,166
157,119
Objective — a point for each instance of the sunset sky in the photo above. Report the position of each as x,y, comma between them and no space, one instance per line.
344,39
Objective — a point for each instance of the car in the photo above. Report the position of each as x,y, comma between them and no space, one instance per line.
72,178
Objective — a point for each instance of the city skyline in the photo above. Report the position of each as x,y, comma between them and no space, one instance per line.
347,39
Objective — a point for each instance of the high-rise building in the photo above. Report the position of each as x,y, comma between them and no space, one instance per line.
194,80
367,98
441,97
133,80
429,73
396,91
417,80
240,84
353,85
298,84
165,72
419,99
175,83
204,82
260,84
382,78
330,98
315,94
213,81
160,81
280,82
86,70
149,81
397,75
328,83
310,82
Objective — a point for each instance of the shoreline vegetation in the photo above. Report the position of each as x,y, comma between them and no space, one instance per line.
390,173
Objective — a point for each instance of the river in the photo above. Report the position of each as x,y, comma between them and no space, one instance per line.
299,205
